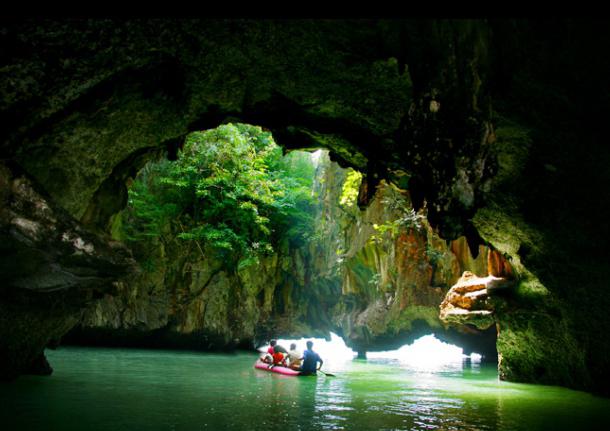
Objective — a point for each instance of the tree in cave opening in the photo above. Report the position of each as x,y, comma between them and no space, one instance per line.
230,190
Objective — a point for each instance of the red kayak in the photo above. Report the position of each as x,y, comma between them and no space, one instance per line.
276,369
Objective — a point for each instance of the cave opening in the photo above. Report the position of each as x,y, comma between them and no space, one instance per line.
240,240
426,353
230,192
429,353
481,127
225,231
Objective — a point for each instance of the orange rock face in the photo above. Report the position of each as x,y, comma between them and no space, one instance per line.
497,265
467,301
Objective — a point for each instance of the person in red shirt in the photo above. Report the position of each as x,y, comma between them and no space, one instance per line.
279,359
270,357
276,354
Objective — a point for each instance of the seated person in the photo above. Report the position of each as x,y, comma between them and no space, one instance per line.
268,357
276,354
310,360
279,359
279,348
295,357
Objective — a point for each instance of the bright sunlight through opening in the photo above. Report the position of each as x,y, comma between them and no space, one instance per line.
426,353
315,157
332,351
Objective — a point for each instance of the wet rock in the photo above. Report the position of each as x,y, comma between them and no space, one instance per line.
40,367
51,268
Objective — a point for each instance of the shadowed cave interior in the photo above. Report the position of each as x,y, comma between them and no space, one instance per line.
480,145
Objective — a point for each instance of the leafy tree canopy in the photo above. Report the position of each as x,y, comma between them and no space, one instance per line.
349,193
230,189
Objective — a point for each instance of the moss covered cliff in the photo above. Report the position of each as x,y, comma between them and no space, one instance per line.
189,295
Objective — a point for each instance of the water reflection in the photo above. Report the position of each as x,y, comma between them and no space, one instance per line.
105,389
333,402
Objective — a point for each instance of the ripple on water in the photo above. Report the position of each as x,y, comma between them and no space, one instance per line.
106,389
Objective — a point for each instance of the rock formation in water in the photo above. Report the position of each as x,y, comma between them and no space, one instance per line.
468,302
497,124
51,269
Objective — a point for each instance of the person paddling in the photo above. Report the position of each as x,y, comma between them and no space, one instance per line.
310,361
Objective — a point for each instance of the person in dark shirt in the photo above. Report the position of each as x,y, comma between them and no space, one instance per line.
310,360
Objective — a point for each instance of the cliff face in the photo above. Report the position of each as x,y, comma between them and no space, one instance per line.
188,301
379,289
186,297
498,126
393,280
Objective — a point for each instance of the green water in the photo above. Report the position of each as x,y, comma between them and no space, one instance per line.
124,389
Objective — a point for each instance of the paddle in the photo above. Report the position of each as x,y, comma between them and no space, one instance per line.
327,374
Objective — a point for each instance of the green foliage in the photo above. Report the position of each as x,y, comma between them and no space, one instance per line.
248,261
150,204
295,209
433,254
392,227
230,190
375,280
349,193
409,219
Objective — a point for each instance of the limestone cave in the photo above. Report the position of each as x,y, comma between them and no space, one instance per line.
389,179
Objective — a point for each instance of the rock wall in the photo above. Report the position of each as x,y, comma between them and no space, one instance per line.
51,269
393,283
379,291
184,297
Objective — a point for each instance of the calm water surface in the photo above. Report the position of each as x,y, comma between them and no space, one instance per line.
125,389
